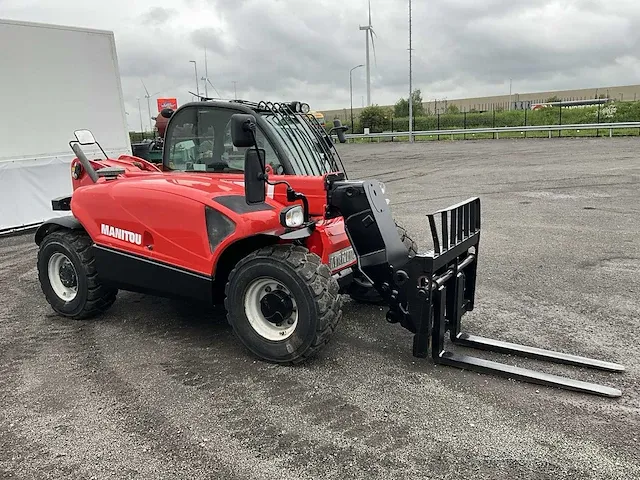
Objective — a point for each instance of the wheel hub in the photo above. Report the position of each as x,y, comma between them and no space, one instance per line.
63,277
276,306
68,274
271,309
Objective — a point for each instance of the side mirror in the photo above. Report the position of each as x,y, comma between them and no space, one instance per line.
339,129
84,137
243,130
254,180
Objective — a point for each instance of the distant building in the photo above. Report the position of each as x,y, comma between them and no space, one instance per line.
518,101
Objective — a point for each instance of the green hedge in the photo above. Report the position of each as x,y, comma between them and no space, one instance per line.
612,112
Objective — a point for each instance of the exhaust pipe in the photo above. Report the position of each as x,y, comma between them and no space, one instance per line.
77,149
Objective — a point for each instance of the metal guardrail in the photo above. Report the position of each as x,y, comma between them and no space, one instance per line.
498,130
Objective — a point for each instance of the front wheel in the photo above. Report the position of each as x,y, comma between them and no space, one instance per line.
283,303
68,278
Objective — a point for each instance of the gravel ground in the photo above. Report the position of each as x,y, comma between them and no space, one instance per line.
158,389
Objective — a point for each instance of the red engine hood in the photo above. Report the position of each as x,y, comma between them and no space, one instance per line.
204,186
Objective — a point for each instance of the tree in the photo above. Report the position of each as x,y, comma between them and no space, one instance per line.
452,108
375,117
401,108
555,98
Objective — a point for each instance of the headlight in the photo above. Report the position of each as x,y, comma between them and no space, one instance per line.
292,216
304,108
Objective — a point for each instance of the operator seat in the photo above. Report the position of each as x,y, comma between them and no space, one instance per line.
218,164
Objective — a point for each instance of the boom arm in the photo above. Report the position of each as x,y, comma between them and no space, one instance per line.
429,293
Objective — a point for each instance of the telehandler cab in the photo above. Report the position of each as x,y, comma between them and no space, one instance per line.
252,207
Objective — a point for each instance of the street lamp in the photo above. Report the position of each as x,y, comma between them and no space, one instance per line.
196,69
351,91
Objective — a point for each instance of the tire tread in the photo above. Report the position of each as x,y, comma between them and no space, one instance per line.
322,286
99,297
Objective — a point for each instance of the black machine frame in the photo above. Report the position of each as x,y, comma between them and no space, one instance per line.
430,292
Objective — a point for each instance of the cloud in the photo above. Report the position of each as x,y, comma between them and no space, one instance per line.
288,49
158,15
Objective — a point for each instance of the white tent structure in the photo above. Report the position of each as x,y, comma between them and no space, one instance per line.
55,80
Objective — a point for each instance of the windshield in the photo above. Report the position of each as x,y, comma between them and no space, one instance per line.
303,147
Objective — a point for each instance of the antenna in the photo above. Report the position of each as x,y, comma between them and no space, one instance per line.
218,93
205,79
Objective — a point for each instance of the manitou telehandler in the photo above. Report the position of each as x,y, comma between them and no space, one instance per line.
252,207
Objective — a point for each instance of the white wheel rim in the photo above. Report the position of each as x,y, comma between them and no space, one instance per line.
255,292
63,277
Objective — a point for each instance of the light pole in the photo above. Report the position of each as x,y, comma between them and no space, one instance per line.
195,66
235,90
351,92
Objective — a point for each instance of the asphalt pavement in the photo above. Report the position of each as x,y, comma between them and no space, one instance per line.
160,389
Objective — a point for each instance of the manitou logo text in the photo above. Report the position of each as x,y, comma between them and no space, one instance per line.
121,234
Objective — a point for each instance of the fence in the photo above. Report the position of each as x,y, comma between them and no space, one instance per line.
606,128
613,112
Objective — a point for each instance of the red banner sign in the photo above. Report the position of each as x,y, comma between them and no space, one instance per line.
171,103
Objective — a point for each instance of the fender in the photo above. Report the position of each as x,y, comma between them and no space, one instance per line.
69,222
298,234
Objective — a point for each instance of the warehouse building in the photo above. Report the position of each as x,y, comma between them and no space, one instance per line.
515,101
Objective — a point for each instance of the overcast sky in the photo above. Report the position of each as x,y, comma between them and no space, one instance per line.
301,49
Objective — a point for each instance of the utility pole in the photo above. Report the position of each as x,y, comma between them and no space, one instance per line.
197,82
410,82
235,91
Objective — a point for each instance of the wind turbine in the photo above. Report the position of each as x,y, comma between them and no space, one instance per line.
148,97
368,31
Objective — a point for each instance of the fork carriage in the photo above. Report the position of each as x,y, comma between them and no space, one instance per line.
429,293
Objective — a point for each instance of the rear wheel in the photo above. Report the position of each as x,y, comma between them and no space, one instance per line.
361,290
282,303
68,278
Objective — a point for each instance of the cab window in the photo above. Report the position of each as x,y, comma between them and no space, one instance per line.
199,139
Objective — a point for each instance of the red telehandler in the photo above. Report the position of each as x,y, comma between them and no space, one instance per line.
252,208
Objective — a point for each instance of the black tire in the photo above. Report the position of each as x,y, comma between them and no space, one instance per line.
91,298
309,283
361,290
